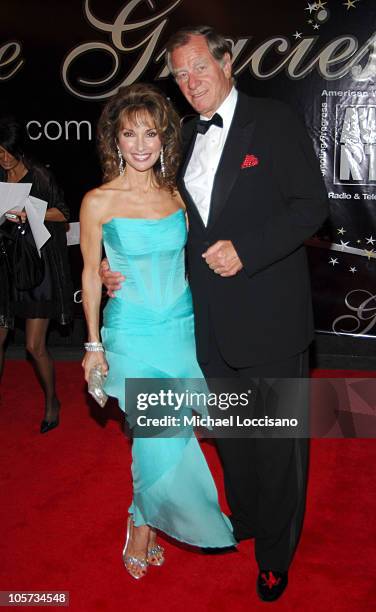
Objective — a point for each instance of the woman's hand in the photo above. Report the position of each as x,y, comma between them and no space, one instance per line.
16,216
92,359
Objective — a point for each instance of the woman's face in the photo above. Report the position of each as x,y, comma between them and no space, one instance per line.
139,143
7,161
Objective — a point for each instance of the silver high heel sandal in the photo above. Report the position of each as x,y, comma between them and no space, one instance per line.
156,555
133,564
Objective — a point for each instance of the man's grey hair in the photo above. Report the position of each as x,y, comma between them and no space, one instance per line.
218,45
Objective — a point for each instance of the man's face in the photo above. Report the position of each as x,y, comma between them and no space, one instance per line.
203,81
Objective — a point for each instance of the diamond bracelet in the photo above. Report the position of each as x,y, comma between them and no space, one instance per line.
94,347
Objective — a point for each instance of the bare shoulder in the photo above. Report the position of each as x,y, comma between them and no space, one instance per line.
95,203
94,198
177,197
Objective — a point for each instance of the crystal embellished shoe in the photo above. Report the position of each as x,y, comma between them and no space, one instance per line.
156,555
135,566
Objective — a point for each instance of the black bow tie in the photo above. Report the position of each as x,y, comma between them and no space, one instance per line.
203,126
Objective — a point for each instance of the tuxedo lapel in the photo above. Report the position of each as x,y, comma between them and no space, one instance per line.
187,154
234,151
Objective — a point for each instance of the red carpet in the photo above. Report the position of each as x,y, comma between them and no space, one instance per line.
64,503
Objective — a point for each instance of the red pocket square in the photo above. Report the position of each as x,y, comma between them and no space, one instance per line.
249,161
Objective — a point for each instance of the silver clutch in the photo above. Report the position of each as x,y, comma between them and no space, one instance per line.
95,385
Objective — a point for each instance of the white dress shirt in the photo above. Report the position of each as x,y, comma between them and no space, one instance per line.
207,151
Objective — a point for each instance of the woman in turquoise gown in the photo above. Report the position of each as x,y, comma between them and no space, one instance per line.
148,326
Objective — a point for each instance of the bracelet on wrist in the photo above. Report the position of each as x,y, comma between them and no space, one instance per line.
93,347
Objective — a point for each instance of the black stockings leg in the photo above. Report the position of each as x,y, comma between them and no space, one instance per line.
3,337
36,330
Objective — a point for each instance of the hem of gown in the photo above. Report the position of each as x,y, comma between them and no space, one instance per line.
232,540
10,323
42,311
7,322
196,544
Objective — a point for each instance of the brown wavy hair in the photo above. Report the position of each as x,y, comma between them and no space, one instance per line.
133,102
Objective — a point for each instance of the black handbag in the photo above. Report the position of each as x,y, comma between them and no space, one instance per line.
6,304
27,266
4,258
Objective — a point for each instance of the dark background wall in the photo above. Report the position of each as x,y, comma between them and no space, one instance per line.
60,61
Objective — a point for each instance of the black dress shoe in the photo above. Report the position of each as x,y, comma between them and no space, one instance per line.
219,551
46,426
271,584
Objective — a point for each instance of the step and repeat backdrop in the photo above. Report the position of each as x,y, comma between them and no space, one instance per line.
61,61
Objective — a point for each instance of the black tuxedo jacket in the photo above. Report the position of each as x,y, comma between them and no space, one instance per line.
267,209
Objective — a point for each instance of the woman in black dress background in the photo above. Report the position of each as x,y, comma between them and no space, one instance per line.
52,299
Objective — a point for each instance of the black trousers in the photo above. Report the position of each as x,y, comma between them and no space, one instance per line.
265,479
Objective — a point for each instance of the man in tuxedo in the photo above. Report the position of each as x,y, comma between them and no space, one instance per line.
254,193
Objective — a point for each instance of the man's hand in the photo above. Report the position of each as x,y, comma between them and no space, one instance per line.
222,258
111,280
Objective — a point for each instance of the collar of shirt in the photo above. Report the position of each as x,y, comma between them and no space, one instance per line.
227,109
206,155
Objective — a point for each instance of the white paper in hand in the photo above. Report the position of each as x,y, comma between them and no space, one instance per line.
36,211
12,197
15,196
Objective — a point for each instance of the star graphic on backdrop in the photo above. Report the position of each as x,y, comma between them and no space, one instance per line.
309,21
313,7
370,253
320,4
297,35
370,240
333,261
344,244
341,230
316,26
353,269
349,4
358,241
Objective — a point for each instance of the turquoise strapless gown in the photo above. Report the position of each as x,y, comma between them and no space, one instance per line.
148,332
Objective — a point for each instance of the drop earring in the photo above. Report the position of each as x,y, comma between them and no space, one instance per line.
121,161
163,167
